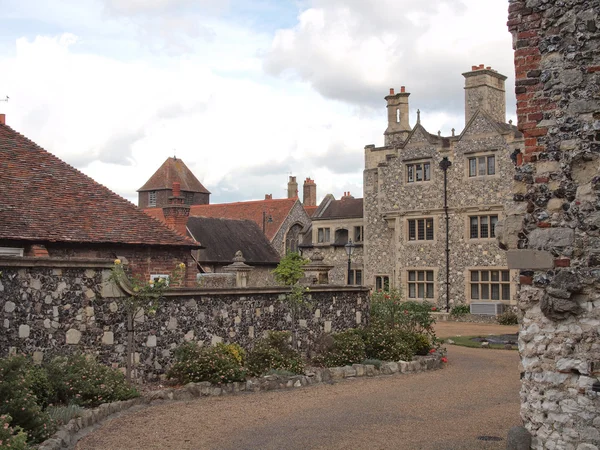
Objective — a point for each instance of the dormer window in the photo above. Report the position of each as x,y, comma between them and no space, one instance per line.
152,198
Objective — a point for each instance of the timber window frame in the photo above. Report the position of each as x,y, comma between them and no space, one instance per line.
152,198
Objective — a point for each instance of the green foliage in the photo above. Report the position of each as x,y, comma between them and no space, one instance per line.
460,310
274,352
373,362
347,348
218,364
280,373
13,438
41,386
290,269
61,415
508,318
19,401
388,310
83,381
387,344
419,343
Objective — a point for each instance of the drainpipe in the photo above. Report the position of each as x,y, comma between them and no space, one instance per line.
444,165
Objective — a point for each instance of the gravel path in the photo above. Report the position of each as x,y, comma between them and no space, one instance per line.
475,394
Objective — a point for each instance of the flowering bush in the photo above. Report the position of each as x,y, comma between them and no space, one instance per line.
80,380
387,344
11,438
18,401
346,348
219,364
274,352
460,310
388,309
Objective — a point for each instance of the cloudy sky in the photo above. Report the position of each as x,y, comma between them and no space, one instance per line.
246,92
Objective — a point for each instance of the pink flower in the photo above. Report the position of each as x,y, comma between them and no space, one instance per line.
444,359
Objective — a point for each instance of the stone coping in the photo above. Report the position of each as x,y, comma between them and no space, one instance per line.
69,434
31,261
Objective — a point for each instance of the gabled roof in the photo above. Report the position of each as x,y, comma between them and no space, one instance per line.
173,169
44,199
310,210
345,208
275,212
223,237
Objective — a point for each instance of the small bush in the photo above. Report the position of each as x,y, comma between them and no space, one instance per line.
61,415
274,352
236,351
419,343
387,344
460,310
19,401
508,318
83,381
373,362
280,373
41,386
13,438
347,348
218,364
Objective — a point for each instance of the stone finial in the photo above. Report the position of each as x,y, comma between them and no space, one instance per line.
453,131
439,133
510,121
239,257
418,116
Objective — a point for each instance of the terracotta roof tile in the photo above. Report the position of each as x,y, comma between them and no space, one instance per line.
310,210
277,210
42,198
174,169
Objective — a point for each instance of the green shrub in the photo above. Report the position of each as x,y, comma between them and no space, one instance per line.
41,386
460,310
508,318
373,362
218,364
61,415
235,350
387,344
19,401
83,381
419,343
388,310
13,438
347,348
274,352
280,373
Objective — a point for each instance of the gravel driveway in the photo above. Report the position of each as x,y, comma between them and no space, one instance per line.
476,394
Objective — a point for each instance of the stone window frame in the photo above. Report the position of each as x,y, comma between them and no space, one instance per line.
495,210
353,272
361,233
152,198
513,277
12,251
417,241
413,162
381,285
477,155
293,242
156,276
405,282
326,233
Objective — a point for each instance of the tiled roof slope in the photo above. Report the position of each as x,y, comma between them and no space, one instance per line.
174,169
44,199
310,210
223,237
277,210
345,208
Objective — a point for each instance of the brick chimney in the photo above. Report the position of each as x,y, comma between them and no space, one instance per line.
346,196
309,193
484,89
3,119
268,196
398,126
177,212
292,188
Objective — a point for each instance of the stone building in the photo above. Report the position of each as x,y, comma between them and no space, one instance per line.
334,223
404,216
552,228
53,212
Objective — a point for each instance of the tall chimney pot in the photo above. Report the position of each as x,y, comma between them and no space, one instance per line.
3,119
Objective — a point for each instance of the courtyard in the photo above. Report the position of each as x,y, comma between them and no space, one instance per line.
475,396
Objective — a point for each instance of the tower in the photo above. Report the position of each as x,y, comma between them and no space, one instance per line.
484,89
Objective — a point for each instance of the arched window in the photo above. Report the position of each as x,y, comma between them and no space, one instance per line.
341,237
292,238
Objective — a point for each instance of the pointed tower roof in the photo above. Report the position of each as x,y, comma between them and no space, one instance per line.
174,170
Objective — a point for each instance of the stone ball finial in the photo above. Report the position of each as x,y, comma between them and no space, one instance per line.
453,130
239,257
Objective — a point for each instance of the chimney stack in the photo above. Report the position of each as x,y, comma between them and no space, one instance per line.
268,196
177,212
292,187
484,89
309,194
3,119
398,126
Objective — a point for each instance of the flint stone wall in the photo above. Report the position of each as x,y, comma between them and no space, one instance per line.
557,214
47,311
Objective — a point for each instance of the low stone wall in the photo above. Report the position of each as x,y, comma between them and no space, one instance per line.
46,309
68,434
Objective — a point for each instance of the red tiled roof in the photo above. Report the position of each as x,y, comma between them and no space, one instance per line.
44,199
173,169
310,210
277,210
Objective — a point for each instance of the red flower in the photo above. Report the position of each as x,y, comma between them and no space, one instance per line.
387,297
433,308
406,311
432,350
444,359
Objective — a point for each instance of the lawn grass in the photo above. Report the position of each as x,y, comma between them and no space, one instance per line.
465,341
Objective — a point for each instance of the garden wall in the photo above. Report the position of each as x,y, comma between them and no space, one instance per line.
50,307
